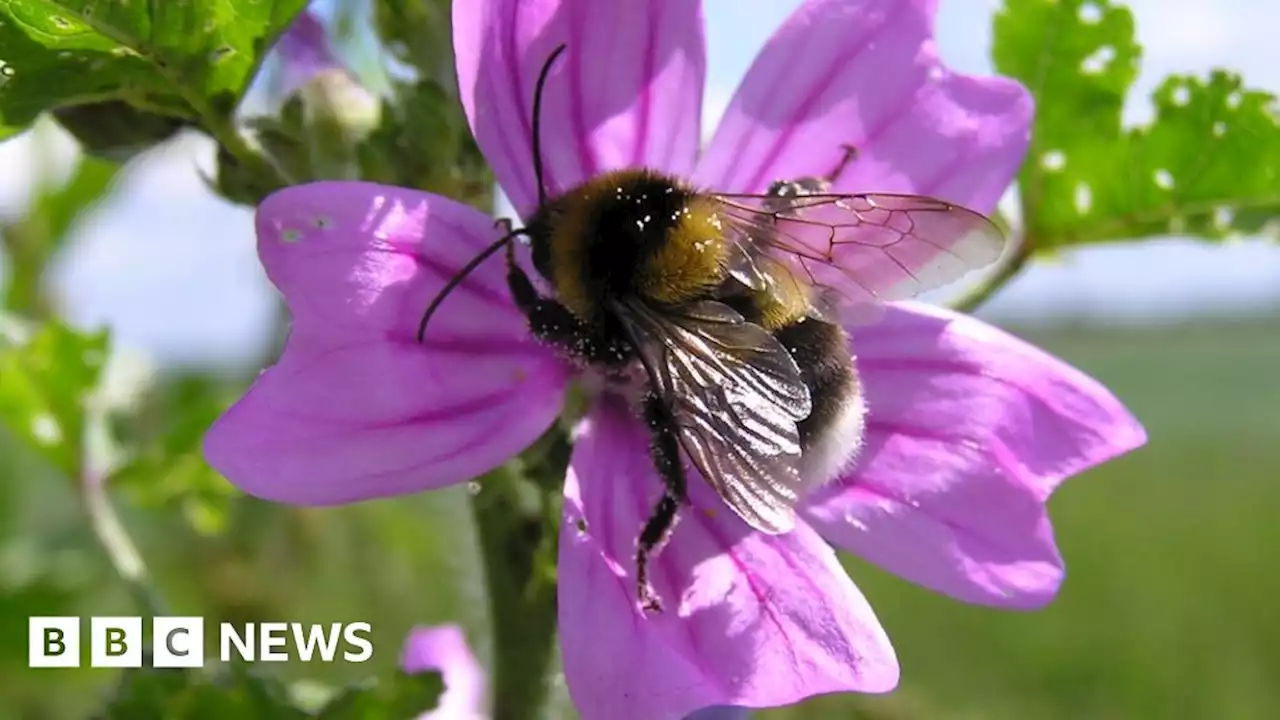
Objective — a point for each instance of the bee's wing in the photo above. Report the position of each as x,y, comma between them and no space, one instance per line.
735,394
866,248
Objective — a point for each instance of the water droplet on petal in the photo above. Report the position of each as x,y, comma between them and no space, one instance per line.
291,235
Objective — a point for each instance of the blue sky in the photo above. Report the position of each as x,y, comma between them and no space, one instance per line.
173,269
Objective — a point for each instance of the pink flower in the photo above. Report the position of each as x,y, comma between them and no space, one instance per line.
969,431
305,52
444,649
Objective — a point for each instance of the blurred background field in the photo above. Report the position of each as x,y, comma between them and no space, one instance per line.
1169,609
1170,605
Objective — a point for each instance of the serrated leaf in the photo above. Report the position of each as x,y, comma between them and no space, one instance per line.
400,696
43,386
183,58
1207,165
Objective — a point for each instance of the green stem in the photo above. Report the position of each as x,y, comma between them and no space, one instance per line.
225,134
118,546
1010,265
516,515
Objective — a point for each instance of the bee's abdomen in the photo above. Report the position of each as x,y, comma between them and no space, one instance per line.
832,434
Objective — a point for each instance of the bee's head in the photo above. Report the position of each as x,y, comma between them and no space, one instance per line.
540,230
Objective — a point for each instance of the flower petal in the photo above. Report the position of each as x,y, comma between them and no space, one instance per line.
969,431
750,620
444,648
305,51
872,79
356,408
627,91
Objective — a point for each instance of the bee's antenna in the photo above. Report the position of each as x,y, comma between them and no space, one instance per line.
461,275
498,244
537,121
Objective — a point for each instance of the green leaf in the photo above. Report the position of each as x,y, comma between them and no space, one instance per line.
399,696
176,694
115,130
166,469
44,383
183,58
1207,165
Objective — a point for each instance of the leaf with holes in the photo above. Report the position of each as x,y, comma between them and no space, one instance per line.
44,382
1207,165
183,58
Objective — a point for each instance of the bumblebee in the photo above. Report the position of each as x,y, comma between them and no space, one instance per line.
731,305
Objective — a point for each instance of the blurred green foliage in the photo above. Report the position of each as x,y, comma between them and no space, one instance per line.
45,383
177,694
1167,612
32,241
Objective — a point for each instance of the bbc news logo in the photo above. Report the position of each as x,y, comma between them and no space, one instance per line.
179,642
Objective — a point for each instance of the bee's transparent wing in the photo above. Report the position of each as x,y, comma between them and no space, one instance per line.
735,394
866,248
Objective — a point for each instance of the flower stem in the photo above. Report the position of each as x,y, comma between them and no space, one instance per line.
1009,266
516,513
118,546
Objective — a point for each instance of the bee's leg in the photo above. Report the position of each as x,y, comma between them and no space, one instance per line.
553,323
811,185
850,154
666,458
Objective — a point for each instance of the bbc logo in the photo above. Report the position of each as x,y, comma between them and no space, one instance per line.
178,642
115,642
